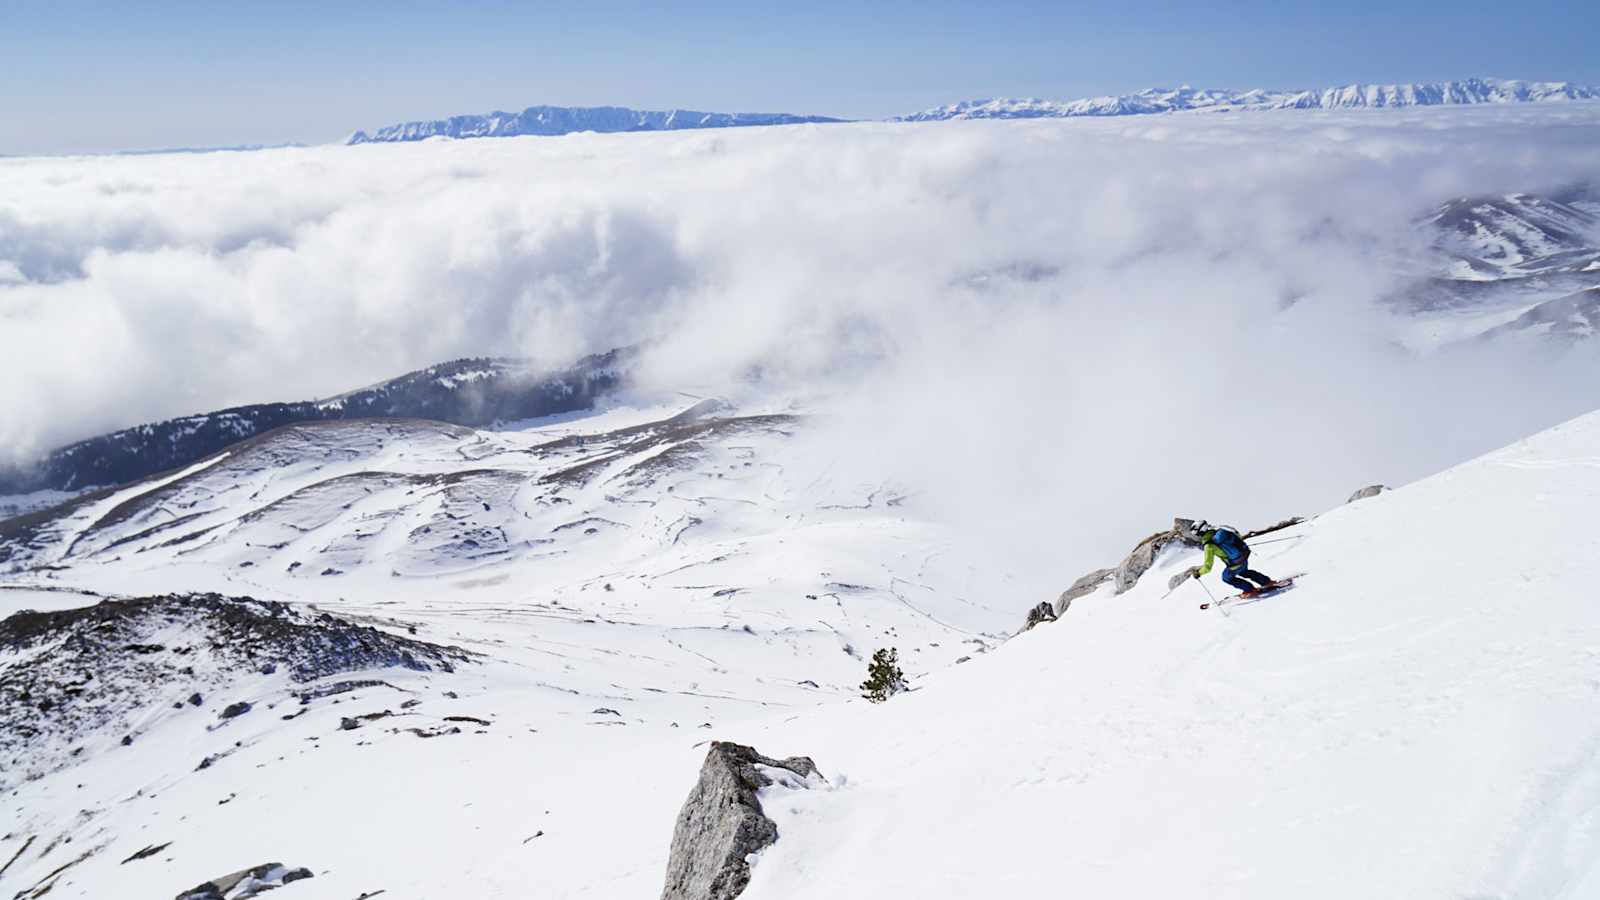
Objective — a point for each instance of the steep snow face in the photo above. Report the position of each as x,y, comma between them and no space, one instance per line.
1419,717
1352,96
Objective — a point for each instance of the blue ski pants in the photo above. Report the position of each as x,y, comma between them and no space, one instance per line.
1236,573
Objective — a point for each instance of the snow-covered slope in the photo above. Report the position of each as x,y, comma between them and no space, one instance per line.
1419,718
624,581
1351,96
480,391
1517,234
1573,317
1509,265
554,120
1416,718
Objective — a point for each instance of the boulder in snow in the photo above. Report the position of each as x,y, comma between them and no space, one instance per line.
1044,612
1145,553
1371,490
247,883
721,822
1084,586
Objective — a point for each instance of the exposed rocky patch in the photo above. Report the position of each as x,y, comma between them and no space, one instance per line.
247,883
1044,612
721,823
75,678
1126,573
1084,586
1371,490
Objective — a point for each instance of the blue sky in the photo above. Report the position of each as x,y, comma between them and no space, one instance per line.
84,76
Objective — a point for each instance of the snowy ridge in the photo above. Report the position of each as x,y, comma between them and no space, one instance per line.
642,573
557,120
1516,234
1507,266
474,391
1351,96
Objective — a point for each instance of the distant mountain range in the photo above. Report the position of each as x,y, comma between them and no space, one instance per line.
1470,91
469,392
557,120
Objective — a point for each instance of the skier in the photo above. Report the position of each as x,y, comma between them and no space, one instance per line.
1220,540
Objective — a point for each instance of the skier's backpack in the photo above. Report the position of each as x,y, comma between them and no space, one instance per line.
1230,543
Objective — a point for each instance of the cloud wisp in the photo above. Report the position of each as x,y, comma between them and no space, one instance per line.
1064,330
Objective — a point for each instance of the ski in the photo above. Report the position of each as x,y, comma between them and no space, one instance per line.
1276,587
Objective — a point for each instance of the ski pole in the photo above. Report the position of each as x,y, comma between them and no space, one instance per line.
1211,596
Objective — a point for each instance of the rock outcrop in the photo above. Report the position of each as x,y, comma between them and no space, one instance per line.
247,883
1371,490
721,822
73,674
1084,586
1044,612
1124,575
1144,554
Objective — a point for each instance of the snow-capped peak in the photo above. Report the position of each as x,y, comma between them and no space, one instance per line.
1351,96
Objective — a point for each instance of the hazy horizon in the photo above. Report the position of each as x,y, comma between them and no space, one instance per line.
93,77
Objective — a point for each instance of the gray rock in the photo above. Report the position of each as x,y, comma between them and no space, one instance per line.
235,709
1144,555
1371,490
246,883
1126,573
721,824
1084,586
1044,612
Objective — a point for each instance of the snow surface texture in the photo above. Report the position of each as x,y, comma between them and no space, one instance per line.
1414,719
1470,91
631,580
1076,297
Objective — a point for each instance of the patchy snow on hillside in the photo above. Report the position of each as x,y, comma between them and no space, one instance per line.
624,585
1415,718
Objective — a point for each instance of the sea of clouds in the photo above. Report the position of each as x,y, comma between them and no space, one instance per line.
1058,333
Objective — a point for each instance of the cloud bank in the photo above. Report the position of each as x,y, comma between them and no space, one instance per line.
1058,332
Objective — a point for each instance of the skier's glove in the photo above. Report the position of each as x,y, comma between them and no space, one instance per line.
1194,572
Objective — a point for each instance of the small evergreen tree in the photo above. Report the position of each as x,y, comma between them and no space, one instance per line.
884,678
